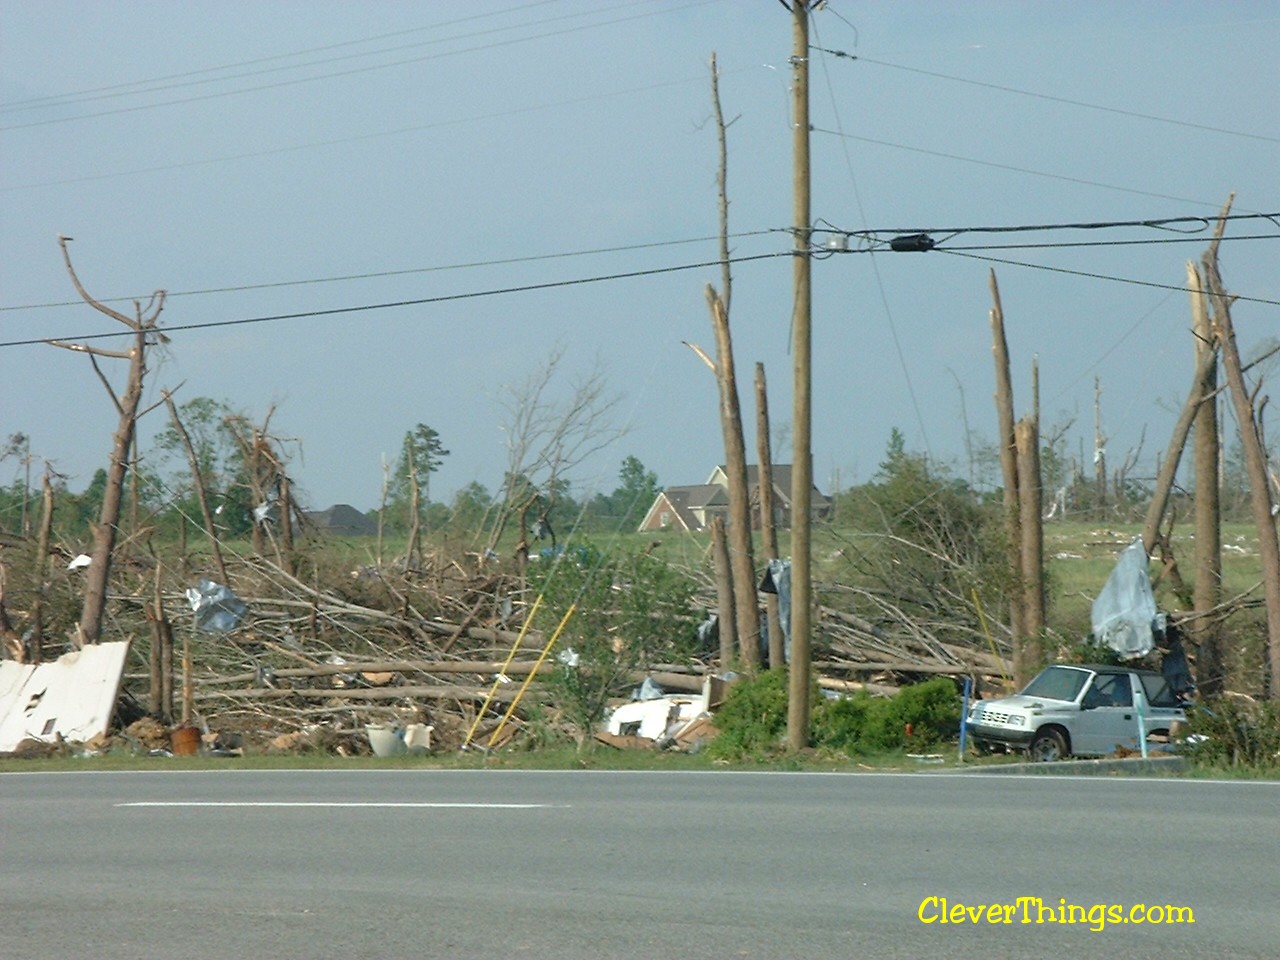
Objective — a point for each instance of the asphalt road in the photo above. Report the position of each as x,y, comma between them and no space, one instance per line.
458,864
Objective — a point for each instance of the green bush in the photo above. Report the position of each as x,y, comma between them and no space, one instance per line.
931,708
1234,732
629,611
863,724
841,724
753,720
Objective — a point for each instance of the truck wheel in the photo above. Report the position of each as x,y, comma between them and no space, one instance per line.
1048,746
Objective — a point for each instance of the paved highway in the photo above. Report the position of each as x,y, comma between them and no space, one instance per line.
590,865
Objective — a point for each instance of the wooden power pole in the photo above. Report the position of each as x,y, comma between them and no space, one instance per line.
801,445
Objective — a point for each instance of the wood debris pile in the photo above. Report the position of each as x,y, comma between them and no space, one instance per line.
317,658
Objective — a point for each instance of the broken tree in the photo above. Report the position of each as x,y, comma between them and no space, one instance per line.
741,555
145,332
1249,419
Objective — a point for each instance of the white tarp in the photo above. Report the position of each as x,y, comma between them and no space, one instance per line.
1124,613
73,697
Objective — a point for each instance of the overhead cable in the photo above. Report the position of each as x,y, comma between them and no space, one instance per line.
505,261
1006,166
1046,96
340,73
444,298
1097,276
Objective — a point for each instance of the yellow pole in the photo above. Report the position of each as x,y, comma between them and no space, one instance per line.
991,640
524,628
532,673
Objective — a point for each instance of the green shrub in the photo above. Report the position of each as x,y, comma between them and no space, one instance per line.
842,724
863,724
630,610
753,718
931,708
1235,732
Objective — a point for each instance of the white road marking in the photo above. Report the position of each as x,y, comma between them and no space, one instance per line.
338,803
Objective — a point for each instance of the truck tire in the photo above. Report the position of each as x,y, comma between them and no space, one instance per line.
1049,745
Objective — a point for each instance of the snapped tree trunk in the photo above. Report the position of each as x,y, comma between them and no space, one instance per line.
1206,632
1029,490
197,478
1009,469
1099,452
42,570
768,531
1205,366
739,524
741,557
725,612
1260,498
89,630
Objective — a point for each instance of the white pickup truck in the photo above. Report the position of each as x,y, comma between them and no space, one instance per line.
1085,711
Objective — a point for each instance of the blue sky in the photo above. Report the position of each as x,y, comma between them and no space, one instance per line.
301,157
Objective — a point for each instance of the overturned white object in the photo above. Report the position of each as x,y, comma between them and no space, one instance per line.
80,562
417,737
387,741
657,718
73,697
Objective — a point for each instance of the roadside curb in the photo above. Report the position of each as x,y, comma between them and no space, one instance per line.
1127,766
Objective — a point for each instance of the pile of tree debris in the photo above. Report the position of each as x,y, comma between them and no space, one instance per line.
275,662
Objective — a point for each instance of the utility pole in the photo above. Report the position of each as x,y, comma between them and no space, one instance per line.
798,706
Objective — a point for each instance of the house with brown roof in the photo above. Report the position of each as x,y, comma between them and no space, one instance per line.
691,508
687,508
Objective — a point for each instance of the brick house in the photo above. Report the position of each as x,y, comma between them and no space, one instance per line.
691,508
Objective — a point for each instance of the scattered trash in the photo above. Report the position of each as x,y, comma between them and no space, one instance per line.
217,609
80,562
185,741
660,721
387,741
340,679
390,740
777,580
649,690
148,735
285,742
417,737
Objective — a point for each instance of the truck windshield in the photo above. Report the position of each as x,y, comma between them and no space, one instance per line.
1057,683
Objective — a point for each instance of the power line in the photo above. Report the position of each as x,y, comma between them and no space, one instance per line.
344,73
875,267
506,261
92,93
1046,96
1005,166
875,235
1096,276
356,138
1101,243
445,298
1157,223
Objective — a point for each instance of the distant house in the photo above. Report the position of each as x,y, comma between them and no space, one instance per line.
691,508
342,520
687,508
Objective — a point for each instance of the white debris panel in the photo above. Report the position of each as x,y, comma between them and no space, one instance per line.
72,697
